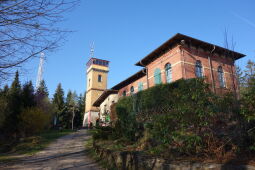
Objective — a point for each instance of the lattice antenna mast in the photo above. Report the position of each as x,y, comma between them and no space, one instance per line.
92,50
40,71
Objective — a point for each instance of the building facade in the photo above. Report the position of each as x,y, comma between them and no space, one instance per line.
97,73
183,57
104,102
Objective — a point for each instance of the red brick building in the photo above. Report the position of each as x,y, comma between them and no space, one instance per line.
184,57
181,57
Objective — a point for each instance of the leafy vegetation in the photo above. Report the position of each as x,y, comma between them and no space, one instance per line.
26,112
185,118
68,112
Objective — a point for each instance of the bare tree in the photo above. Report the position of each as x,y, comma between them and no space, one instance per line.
230,45
29,27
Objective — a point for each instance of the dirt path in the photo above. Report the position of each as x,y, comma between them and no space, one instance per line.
67,152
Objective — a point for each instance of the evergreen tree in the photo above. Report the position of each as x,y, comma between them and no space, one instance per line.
240,79
68,114
249,73
13,108
248,101
15,86
5,90
58,97
81,108
42,93
239,76
59,103
28,96
42,99
70,98
3,105
74,109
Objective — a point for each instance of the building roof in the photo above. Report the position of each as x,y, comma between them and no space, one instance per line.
103,96
176,39
97,61
131,79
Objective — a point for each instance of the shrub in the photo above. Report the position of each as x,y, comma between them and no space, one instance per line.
34,120
126,125
102,133
248,111
184,115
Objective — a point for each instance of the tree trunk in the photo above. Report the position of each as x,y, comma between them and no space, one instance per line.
73,118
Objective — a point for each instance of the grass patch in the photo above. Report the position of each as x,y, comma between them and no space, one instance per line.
31,145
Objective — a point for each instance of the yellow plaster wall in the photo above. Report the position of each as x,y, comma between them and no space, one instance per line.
95,88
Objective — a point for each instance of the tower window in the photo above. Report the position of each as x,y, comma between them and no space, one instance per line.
99,78
89,82
198,69
168,72
221,76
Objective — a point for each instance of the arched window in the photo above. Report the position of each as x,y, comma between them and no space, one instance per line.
132,90
157,76
140,86
124,93
198,69
168,72
221,76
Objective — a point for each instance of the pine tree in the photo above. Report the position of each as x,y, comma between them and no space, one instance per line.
42,90
13,108
3,105
249,72
59,103
42,99
239,76
67,116
5,90
70,98
15,86
28,96
81,108
240,79
248,100
41,93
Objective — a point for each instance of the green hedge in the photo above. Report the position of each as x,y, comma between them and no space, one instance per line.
184,115
180,98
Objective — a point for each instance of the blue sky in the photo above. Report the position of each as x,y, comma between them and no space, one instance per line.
124,31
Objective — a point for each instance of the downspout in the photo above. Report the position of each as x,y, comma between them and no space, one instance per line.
147,78
211,69
234,79
183,58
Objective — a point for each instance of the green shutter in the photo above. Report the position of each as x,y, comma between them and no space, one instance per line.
157,76
140,86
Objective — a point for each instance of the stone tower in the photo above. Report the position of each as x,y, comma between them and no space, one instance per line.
97,71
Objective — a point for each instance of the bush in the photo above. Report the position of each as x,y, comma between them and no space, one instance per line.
102,132
184,115
34,120
248,111
126,125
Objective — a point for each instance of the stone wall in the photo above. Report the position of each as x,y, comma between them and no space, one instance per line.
138,161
